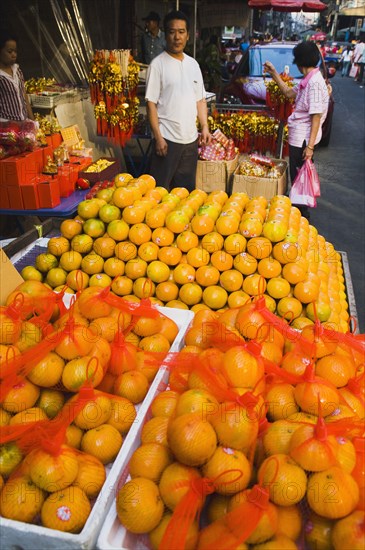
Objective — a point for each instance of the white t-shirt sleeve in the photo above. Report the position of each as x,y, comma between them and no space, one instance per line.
153,83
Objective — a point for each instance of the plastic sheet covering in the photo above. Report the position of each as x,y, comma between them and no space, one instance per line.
64,33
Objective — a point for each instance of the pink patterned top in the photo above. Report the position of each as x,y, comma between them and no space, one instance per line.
312,98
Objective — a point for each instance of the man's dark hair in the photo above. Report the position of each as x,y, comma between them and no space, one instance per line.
306,54
5,36
176,14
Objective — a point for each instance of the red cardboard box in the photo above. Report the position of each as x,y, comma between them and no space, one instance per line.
46,152
20,169
108,173
56,140
15,198
81,162
38,157
4,199
65,181
30,196
49,192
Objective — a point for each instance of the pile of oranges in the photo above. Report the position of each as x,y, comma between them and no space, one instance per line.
197,250
253,443
71,382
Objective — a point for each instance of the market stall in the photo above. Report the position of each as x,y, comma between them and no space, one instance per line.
178,369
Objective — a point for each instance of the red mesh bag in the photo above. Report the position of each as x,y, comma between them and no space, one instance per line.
315,447
240,523
189,508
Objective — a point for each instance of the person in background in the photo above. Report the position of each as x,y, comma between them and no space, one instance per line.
211,65
153,40
358,51
362,72
175,98
346,59
14,102
310,110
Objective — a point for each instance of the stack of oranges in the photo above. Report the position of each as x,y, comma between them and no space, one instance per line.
197,250
273,418
115,352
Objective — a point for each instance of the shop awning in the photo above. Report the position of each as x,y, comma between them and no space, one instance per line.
288,5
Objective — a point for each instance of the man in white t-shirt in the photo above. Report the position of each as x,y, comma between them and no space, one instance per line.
175,97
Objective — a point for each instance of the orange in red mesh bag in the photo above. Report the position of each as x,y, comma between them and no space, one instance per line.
316,448
51,467
36,297
236,418
186,514
251,518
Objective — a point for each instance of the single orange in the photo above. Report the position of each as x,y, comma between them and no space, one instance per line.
148,251
190,293
139,233
215,297
103,442
207,275
149,460
259,247
186,240
142,513
122,285
162,236
184,273
245,263
132,385
221,260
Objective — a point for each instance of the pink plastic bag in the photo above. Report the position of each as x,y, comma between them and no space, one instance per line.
306,186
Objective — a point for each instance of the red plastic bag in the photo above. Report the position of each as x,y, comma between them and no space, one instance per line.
306,186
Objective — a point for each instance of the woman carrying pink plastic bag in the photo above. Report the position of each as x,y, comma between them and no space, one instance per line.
310,110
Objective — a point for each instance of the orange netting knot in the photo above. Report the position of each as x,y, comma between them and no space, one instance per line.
263,425
247,400
86,393
254,348
203,486
13,310
260,303
259,496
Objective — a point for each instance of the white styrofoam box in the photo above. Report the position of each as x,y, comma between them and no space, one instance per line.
113,535
23,536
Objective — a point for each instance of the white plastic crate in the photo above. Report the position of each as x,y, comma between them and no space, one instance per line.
113,535
22,536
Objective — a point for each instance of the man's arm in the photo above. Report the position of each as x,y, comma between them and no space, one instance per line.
161,145
206,137
290,93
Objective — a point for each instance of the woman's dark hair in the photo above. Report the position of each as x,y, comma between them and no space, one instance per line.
5,36
306,54
176,14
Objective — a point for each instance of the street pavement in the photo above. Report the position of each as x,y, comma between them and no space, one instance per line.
339,215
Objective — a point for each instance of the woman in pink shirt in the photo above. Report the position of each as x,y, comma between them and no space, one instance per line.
310,109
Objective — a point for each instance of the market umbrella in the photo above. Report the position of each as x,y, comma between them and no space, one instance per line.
288,5
319,36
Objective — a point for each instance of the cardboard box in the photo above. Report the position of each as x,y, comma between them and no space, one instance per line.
255,186
15,198
9,277
49,193
30,196
65,181
20,169
46,152
108,174
215,175
38,158
4,198
56,140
